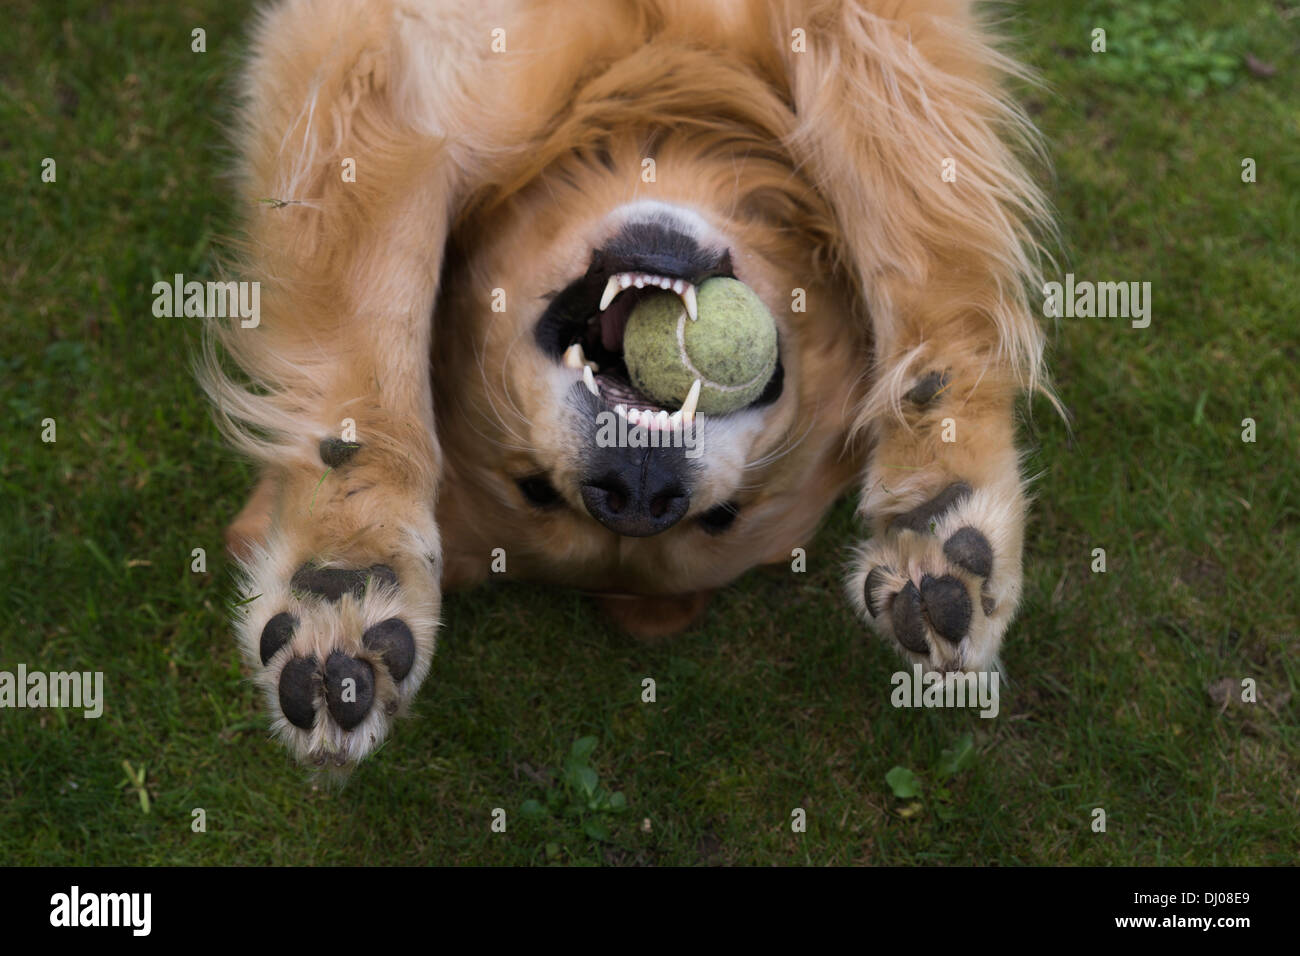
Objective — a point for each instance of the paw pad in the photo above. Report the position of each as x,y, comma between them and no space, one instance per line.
909,619
947,605
276,634
393,641
333,583
919,518
349,689
969,549
875,581
299,681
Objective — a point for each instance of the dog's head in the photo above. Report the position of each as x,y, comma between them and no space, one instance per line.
552,452
657,153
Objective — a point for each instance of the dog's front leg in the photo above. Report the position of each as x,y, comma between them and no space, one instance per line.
350,171
940,577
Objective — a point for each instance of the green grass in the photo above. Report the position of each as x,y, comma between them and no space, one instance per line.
779,701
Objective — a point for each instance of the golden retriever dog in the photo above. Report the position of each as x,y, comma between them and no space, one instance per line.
454,205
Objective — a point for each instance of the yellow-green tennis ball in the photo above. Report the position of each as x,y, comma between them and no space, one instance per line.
731,347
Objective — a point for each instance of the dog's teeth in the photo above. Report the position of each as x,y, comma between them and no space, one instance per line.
574,357
621,411
661,421
692,399
624,280
675,420
688,297
590,381
639,282
679,286
612,288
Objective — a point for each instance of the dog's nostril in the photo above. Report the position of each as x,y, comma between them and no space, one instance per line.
660,504
635,508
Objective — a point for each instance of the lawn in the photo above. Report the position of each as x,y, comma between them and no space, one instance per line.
1125,686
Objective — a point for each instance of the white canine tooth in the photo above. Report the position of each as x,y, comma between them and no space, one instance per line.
692,307
590,381
612,288
573,356
692,399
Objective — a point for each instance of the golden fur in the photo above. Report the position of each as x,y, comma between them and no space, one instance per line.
484,173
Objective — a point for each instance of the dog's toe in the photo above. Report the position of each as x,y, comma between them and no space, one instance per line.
393,641
875,591
276,634
349,689
969,549
299,683
909,619
947,605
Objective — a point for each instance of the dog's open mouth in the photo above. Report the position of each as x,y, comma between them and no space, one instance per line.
583,327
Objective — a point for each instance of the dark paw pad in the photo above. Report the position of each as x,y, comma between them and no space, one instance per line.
930,385
298,682
333,583
875,580
393,641
335,451
909,621
276,634
349,689
919,518
969,549
947,605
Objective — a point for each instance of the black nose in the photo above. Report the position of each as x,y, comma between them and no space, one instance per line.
637,492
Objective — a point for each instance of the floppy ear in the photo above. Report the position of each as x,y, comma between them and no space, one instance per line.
905,128
353,142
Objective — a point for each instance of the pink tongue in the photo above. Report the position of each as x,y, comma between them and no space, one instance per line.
613,322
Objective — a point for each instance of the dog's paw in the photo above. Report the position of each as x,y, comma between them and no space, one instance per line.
337,650
942,580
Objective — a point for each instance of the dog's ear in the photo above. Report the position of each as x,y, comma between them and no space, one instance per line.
903,122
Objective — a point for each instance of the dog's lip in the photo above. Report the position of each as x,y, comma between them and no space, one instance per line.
635,409
604,265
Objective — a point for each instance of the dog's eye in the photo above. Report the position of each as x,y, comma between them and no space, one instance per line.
717,520
538,491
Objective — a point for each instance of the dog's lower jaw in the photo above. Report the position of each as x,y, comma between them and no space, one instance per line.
652,620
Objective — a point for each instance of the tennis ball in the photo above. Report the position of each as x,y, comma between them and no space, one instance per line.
731,347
